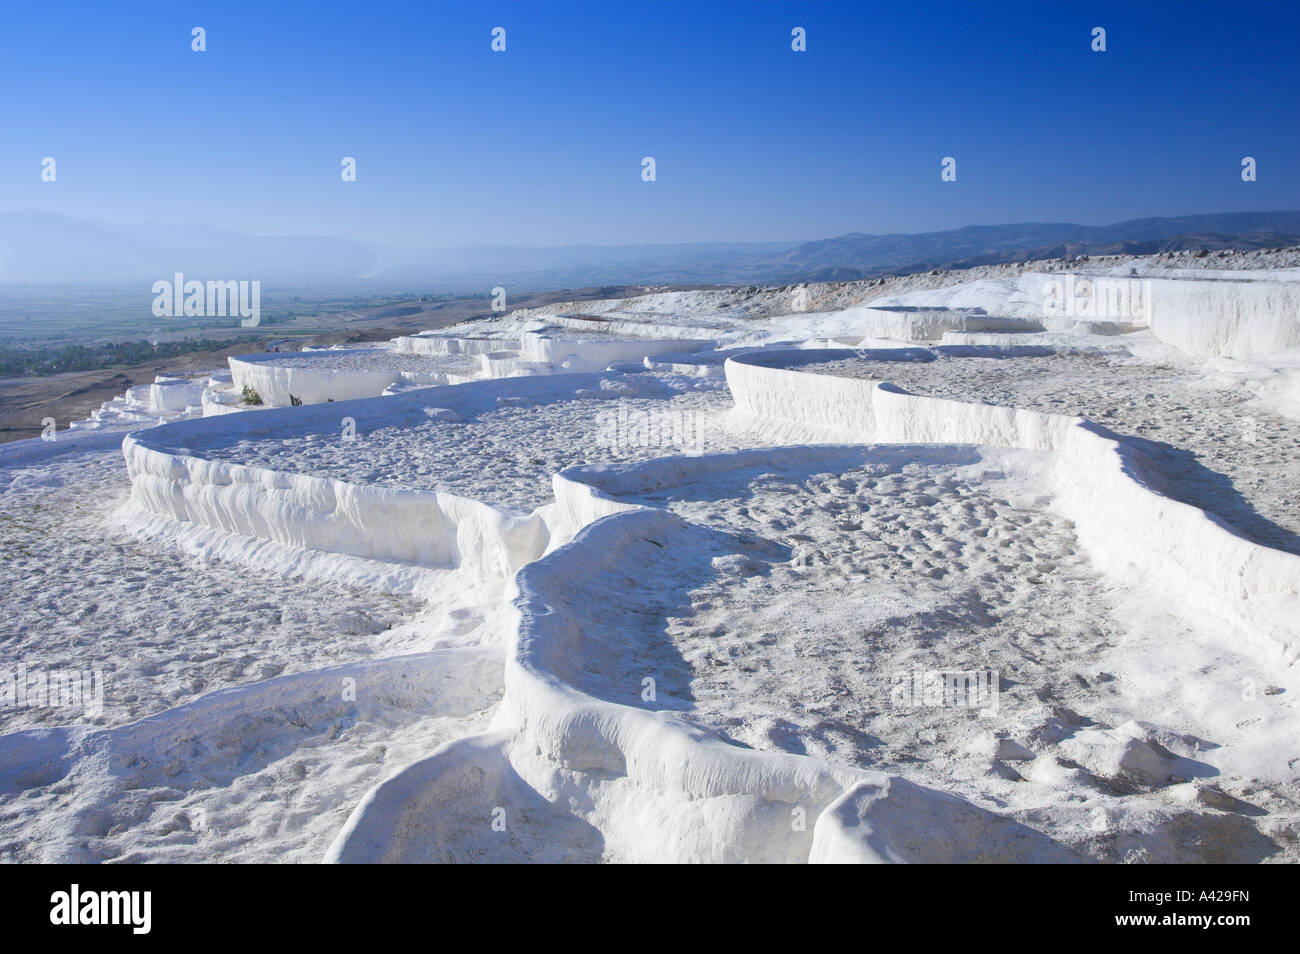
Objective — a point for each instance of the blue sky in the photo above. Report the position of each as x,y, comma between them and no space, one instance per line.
542,144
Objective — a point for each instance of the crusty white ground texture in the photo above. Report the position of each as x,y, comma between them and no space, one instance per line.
694,605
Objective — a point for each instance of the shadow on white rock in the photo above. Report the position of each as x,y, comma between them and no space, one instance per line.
464,803
900,822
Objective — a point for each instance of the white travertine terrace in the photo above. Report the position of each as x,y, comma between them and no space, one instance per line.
586,777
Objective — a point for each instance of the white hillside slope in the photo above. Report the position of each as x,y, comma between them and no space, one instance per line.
687,578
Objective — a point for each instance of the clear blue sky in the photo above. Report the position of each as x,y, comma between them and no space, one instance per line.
542,144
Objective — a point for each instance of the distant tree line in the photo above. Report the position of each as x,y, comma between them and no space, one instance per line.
55,359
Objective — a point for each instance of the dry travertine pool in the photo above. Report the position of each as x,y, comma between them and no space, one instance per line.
370,359
85,594
825,582
803,594
506,456
1216,449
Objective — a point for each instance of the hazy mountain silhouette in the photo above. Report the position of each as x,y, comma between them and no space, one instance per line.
43,247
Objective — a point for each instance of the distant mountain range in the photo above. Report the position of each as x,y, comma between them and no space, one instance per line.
866,256
38,247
